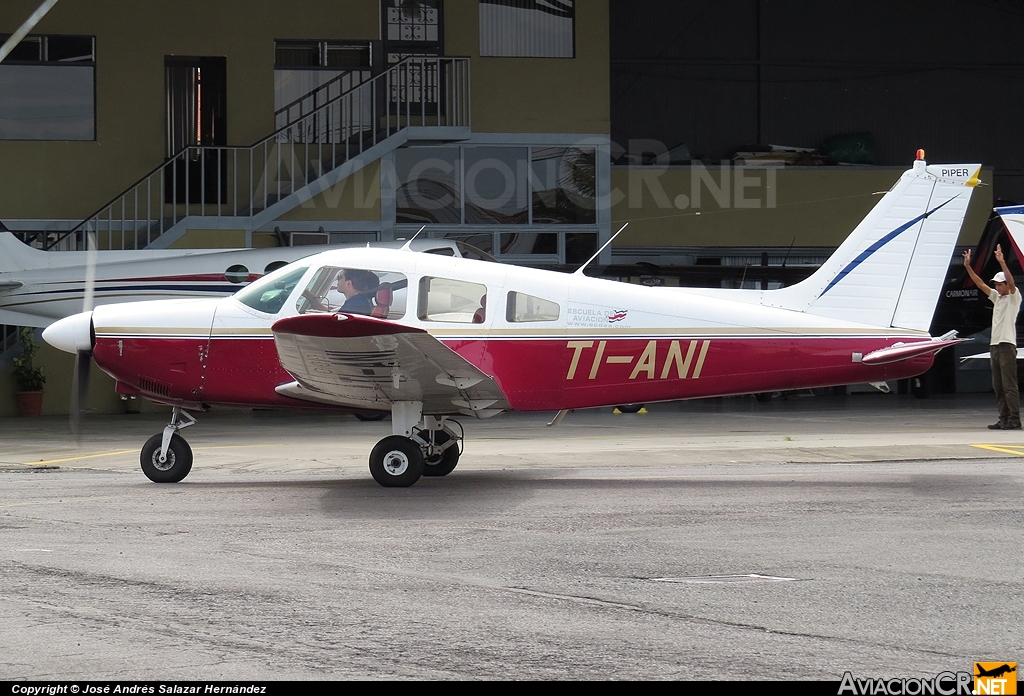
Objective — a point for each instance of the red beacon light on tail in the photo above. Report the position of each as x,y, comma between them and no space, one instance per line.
920,154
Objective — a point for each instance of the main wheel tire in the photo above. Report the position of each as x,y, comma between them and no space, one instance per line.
763,397
630,408
371,415
178,464
444,463
396,462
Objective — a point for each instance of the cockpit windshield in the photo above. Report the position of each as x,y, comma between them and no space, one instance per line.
268,294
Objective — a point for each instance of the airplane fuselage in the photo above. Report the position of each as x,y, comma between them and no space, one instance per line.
610,342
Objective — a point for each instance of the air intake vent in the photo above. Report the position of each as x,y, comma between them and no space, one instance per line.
154,387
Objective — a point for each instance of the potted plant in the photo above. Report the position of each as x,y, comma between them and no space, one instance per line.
28,379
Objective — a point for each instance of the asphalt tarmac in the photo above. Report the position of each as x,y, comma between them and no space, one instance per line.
725,539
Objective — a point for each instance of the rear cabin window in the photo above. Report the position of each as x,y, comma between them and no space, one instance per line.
444,299
522,307
380,294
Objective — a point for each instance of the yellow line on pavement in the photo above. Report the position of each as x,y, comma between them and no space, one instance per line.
117,452
1018,451
210,447
82,456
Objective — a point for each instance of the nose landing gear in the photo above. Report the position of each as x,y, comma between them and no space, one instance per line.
166,457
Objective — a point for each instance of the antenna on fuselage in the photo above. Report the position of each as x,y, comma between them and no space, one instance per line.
579,271
408,245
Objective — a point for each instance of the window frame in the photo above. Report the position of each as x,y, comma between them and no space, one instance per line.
482,31
44,40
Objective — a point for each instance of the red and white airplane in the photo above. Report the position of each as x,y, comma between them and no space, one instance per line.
451,336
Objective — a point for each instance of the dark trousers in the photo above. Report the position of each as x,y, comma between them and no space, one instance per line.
1004,382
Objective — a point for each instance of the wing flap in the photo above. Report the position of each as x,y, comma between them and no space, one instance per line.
363,362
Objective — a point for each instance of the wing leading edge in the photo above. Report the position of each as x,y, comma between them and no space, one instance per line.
363,362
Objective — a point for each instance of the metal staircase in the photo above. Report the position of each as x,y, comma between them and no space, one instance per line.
420,98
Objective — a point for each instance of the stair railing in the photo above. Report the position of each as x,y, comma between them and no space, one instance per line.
240,182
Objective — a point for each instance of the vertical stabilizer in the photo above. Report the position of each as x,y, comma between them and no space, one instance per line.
1013,218
890,270
15,256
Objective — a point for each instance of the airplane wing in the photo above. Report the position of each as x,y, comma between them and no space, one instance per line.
13,318
363,362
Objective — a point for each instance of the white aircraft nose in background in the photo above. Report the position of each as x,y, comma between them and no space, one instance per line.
70,334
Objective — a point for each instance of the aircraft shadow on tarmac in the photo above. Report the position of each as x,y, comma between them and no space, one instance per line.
486,493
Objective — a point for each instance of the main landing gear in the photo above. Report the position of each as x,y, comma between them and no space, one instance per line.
166,457
420,446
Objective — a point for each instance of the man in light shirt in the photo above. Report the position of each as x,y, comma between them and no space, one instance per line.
1003,345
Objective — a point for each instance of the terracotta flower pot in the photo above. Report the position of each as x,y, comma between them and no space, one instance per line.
29,403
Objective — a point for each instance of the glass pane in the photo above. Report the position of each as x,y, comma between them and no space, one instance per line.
268,294
380,294
428,185
527,28
564,185
412,21
496,186
523,307
443,299
297,55
30,48
522,243
47,102
69,49
579,246
348,57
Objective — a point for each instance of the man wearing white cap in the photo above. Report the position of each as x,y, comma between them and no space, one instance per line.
1003,345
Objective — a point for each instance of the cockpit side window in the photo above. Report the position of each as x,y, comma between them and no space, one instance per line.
522,308
268,294
380,294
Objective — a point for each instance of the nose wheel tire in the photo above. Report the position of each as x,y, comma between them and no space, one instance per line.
174,468
396,462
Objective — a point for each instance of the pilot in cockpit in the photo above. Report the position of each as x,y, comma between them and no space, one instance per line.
358,287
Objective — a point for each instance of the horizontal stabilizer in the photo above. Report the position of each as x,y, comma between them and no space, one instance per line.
988,356
905,351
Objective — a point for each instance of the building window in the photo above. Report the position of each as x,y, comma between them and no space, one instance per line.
412,28
530,28
495,185
429,185
564,185
504,185
47,89
308,74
